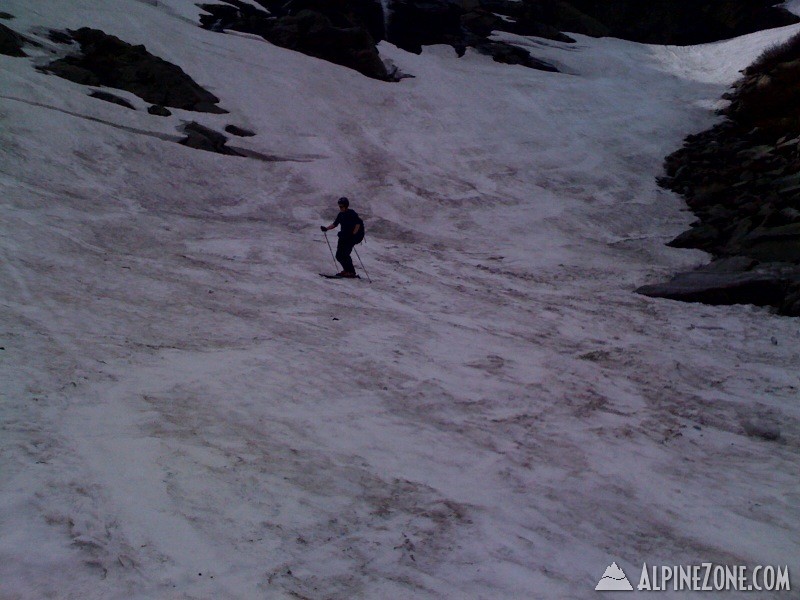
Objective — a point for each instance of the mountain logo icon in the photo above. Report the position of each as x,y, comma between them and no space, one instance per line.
614,580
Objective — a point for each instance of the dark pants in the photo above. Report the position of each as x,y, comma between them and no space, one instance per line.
343,250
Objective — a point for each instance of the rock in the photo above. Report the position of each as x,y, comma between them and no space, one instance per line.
791,303
701,236
345,31
6,16
314,34
105,96
482,22
763,430
788,184
108,61
512,55
59,37
395,74
201,137
72,72
790,215
339,31
708,194
739,230
11,42
569,17
240,17
754,287
778,244
238,131
675,22
417,23
737,280
732,264
159,111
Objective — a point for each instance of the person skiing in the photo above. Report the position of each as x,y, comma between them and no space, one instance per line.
350,226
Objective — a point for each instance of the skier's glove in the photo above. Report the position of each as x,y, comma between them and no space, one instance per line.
323,228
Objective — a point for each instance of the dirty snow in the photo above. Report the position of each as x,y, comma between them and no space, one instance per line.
190,411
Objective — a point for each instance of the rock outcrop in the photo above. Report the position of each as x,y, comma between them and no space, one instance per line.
657,22
346,32
11,42
677,22
742,181
105,60
338,31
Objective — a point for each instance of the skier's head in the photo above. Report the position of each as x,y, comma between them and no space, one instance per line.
343,203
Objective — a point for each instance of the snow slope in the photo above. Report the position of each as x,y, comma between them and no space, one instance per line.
189,411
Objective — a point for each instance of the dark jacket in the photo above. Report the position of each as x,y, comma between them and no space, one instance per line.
348,221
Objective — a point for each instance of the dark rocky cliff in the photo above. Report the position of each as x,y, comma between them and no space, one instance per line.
666,21
345,31
742,181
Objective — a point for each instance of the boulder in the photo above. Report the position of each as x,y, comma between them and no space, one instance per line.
778,244
238,131
106,97
702,236
159,111
201,137
762,288
731,264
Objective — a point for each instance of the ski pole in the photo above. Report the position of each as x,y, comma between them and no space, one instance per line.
362,264
331,249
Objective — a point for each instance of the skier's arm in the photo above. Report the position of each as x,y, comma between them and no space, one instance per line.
356,228
332,225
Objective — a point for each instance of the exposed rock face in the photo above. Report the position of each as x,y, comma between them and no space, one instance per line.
108,61
655,22
334,30
345,31
11,42
314,33
663,21
417,23
765,284
742,180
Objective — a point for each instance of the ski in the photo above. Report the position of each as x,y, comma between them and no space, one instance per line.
326,276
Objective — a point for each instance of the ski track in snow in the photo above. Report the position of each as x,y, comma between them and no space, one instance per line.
189,411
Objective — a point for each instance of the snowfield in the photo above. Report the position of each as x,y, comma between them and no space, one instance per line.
189,411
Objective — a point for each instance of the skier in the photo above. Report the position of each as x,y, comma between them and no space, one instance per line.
351,226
